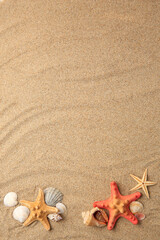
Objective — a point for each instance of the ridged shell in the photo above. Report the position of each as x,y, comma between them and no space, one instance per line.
21,213
136,206
95,217
52,196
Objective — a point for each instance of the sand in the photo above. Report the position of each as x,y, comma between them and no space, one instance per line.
79,108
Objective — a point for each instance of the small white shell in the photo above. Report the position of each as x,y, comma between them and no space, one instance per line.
140,216
54,217
10,199
21,213
62,208
52,196
136,206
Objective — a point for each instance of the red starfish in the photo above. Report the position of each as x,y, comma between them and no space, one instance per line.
118,206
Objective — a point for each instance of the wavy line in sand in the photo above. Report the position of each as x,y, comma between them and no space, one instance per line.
8,107
16,118
34,115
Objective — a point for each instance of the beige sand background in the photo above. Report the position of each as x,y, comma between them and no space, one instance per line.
80,91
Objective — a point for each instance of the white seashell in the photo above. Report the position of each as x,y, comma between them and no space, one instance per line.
21,213
140,216
62,208
136,206
52,196
55,217
10,199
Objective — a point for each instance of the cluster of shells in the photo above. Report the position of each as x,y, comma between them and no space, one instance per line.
136,208
98,217
52,196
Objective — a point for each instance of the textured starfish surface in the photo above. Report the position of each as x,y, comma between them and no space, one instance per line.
118,206
142,183
39,210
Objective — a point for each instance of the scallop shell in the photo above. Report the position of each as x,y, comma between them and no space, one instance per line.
140,216
52,196
10,199
62,208
95,217
55,217
135,207
21,213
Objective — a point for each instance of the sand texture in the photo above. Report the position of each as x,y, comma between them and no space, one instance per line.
79,108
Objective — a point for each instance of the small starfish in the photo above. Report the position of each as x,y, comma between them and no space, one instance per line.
142,183
39,210
118,206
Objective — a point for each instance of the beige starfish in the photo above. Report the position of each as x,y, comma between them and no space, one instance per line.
142,183
39,211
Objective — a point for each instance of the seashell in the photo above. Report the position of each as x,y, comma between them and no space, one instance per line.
135,207
95,217
21,213
62,208
10,199
52,196
140,216
55,217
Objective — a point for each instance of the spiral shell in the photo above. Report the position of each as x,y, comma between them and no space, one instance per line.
95,217
54,217
52,196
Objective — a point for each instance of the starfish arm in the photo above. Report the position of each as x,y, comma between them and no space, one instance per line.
133,197
130,217
145,190
114,189
26,203
138,186
40,197
100,204
51,209
148,183
112,220
29,220
144,178
45,223
136,178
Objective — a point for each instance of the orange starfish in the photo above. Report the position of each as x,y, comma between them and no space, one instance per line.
39,210
118,206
